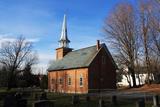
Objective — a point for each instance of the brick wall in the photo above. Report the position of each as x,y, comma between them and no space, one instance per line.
61,52
74,74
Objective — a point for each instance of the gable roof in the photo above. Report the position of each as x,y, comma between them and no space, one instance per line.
77,59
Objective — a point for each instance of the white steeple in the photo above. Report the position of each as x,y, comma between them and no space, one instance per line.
64,41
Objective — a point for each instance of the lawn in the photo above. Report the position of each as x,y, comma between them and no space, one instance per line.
65,100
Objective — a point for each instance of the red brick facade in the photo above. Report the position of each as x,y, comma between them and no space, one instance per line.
74,85
61,52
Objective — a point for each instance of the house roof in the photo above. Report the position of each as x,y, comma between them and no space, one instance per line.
76,59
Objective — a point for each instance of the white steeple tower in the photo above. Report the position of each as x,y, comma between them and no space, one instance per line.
64,41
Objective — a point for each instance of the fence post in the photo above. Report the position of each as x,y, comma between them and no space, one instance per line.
114,100
75,99
155,101
140,103
101,103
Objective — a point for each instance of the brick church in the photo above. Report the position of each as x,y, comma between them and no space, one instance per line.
83,70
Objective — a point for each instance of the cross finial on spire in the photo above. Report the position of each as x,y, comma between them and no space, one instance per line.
64,41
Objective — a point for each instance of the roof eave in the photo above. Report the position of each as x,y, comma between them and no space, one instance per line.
110,56
66,69
94,56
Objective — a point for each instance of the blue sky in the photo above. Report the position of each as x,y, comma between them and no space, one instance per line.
40,21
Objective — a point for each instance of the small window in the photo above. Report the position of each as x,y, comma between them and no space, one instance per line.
103,60
81,81
60,81
69,80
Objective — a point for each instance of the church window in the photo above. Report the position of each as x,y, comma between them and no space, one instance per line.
69,80
81,81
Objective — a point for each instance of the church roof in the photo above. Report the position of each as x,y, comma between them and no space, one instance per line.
76,59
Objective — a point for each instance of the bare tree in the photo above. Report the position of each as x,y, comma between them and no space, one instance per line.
155,66
121,30
134,34
128,79
158,1
149,31
155,27
14,56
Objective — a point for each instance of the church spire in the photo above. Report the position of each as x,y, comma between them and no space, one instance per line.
64,41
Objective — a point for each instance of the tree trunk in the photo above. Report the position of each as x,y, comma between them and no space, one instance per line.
131,70
128,80
139,79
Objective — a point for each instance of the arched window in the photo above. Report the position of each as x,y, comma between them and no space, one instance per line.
81,81
69,80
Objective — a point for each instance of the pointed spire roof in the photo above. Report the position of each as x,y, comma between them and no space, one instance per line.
64,37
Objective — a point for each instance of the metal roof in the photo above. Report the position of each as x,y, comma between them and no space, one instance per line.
77,59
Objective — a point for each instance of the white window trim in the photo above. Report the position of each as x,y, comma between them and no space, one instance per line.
81,77
69,81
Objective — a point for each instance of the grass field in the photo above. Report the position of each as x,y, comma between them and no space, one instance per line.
65,100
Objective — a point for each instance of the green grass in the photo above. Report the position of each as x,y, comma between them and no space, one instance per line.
3,90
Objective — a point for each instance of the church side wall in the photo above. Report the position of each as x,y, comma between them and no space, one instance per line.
59,81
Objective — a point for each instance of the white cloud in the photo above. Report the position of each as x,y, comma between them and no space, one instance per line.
11,38
40,68
5,37
33,39
46,56
43,64
7,40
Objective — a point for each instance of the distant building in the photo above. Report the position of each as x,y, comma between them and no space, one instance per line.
141,77
124,81
81,71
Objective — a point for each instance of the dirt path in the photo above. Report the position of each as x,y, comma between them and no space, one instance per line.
153,88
